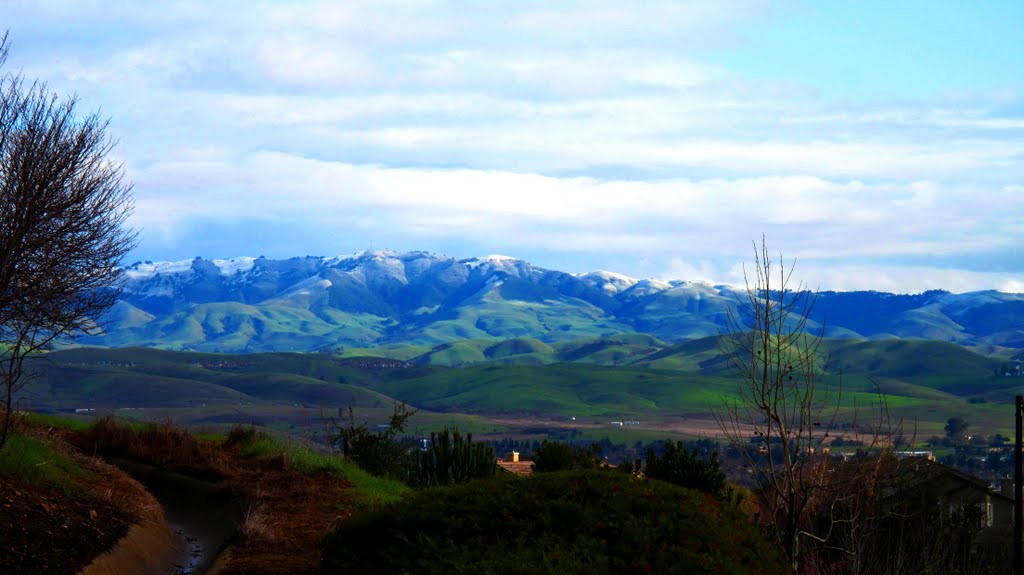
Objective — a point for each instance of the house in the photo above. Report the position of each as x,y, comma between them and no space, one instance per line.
922,487
906,515
512,464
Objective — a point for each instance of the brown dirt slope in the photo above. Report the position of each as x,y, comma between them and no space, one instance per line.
49,529
287,512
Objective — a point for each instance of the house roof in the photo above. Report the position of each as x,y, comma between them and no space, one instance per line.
516,467
915,471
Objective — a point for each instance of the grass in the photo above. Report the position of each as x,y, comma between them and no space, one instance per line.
628,435
58,421
166,444
37,464
925,381
367,489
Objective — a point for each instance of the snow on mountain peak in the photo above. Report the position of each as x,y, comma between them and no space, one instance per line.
610,282
141,270
494,259
233,266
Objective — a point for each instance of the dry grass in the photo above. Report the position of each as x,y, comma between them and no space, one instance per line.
256,524
163,443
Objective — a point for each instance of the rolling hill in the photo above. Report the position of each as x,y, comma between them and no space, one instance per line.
525,379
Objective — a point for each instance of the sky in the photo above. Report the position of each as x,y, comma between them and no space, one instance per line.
878,144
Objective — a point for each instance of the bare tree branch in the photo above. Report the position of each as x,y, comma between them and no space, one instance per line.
64,207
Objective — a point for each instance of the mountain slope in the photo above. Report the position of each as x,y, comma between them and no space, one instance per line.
375,298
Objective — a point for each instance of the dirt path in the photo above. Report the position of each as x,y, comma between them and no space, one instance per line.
202,516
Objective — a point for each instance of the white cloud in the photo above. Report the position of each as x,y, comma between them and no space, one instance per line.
908,279
704,271
294,61
449,122
827,277
814,218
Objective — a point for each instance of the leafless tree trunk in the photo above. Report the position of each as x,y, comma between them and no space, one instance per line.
63,211
782,405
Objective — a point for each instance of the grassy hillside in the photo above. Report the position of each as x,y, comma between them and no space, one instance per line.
502,312
236,327
909,358
612,378
563,389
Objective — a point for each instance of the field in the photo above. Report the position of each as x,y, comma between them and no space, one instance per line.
518,387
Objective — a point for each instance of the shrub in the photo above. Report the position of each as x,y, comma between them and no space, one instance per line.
379,453
365,490
451,458
685,468
163,443
558,456
567,522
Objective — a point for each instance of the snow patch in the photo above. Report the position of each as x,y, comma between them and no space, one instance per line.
494,259
143,270
612,276
610,282
648,287
158,290
307,287
656,284
233,266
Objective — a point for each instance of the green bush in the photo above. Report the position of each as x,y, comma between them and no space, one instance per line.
451,458
558,456
379,453
568,522
685,468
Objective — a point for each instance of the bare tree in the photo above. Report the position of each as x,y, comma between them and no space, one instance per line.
779,401
63,211
782,416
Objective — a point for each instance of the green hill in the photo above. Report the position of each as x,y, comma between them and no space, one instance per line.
909,358
922,380
236,327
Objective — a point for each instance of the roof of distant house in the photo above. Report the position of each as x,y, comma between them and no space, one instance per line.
517,467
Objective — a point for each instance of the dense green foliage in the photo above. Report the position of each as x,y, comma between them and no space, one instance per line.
451,458
685,468
558,456
378,452
570,522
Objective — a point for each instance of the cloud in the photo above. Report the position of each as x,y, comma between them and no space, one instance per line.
593,129
908,279
704,271
828,277
813,217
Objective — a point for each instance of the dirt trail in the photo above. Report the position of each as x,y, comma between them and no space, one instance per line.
202,518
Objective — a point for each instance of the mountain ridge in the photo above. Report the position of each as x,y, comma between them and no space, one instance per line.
371,298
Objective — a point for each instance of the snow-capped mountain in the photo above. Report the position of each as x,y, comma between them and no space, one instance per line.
375,297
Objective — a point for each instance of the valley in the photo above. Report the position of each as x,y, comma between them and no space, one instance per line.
516,388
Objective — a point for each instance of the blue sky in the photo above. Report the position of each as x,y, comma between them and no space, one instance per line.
879,143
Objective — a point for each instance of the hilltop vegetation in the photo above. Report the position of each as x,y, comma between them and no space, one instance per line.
566,522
